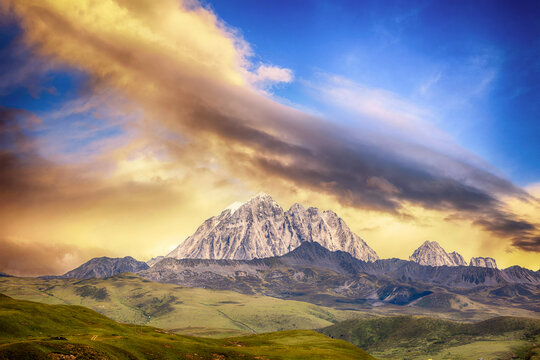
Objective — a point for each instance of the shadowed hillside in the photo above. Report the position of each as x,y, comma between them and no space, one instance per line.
407,337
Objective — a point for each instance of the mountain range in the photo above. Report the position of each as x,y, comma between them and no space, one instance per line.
261,228
310,255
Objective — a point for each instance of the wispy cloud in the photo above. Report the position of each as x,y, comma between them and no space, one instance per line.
268,75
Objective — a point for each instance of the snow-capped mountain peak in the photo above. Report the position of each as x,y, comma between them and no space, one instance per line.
260,228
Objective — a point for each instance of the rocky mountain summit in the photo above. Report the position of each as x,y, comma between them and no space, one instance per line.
260,228
106,266
486,262
432,254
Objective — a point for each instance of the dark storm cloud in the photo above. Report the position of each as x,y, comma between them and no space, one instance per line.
527,243
523,234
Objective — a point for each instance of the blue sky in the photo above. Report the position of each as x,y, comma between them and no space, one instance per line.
474,65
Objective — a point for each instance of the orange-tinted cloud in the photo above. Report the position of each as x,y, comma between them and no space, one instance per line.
32,259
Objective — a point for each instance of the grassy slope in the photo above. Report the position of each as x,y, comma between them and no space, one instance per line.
194,311
27,330
406,337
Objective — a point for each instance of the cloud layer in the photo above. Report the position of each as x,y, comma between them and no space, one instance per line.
200,119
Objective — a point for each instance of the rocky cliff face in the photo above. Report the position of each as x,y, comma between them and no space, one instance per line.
106,266
260,228
486,262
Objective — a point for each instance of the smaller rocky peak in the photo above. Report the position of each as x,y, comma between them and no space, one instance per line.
486,262
309,251
106,266
458,259
432,254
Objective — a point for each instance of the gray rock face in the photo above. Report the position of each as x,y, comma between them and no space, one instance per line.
260,228
431,253
457,258
106,266
486,262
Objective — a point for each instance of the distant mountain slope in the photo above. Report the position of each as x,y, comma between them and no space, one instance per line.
32,330
260,228
315,274
106,266
417,337
155,260
311,254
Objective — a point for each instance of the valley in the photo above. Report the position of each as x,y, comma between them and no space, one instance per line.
129,298
30,330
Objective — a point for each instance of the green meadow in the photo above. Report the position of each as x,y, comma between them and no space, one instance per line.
30,330
128,298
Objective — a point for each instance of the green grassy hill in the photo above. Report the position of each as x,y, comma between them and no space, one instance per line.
30,330
408,337
131,299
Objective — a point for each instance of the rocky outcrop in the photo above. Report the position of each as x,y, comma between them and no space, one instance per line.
486,262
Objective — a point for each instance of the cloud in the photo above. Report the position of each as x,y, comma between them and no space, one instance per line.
268,75
31,259
426,86
203,133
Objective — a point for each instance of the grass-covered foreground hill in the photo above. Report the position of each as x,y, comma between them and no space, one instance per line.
129,298
408,337
30,330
